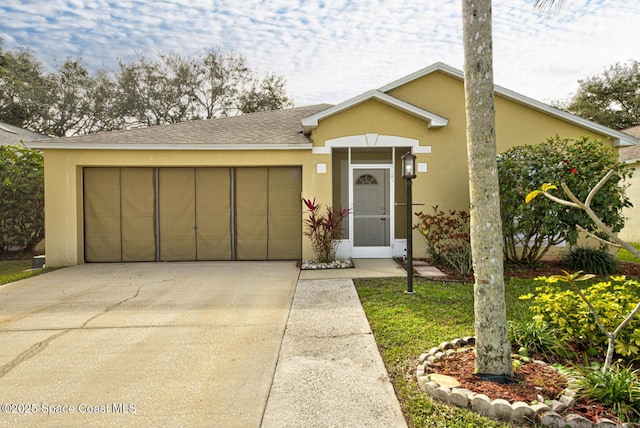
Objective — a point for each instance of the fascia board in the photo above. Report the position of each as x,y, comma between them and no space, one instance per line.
177,146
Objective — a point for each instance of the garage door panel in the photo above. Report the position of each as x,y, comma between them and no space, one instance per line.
177,214
102,214
251,213
213,213
138,214
284,249
285,213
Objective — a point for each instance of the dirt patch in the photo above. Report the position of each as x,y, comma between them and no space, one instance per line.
630,269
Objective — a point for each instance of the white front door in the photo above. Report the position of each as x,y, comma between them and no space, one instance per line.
372,216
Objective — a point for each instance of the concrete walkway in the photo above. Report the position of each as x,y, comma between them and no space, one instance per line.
329,372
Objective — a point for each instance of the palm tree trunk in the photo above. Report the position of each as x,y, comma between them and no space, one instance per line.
493,351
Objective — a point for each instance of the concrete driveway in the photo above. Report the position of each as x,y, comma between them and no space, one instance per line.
143,344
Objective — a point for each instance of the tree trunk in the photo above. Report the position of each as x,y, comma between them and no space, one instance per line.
493,351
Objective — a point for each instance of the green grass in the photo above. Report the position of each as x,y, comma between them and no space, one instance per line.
626,255
14,270
407,326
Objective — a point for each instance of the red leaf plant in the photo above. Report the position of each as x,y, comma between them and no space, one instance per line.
323,230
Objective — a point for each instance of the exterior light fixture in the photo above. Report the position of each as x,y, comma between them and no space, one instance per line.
409,173
408,166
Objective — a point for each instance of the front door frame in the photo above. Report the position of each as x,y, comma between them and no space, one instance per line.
378,252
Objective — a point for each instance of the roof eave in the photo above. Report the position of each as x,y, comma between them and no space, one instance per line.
166,146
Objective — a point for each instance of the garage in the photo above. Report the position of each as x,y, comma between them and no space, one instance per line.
192,213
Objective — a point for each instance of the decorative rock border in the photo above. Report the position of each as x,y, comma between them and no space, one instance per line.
518,412
336,264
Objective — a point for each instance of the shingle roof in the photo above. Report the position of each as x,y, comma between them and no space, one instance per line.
630,153
269,128
12,135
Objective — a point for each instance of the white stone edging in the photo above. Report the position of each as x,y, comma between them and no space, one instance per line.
519,411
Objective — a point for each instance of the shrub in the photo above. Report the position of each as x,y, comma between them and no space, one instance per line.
617,388
536,338
592,260
612,300
324,231
529,230
22,198
448,238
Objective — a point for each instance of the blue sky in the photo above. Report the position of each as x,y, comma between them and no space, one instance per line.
329,51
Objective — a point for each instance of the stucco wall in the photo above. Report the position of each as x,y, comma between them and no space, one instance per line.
631,231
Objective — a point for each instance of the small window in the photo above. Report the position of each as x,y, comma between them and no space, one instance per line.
366,179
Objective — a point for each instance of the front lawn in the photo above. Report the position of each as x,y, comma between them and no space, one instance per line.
407,326
626,255
14,270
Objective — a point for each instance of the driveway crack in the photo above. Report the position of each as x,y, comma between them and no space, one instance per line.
30,353
36,348
113,306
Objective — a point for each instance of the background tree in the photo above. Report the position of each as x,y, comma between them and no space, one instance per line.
222,79
530,230
156,92
68,102
23,88
143,92
611,99
493,350
22,196
267,94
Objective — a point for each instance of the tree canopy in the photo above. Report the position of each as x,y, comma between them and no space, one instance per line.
611,98
145,91
22,196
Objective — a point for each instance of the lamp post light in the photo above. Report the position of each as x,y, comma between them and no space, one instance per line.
409,173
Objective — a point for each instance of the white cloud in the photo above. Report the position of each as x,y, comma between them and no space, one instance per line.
330,51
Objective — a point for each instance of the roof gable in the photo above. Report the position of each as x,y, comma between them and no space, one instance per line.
432,119
619,138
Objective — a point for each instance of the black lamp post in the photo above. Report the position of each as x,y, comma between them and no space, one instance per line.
409,173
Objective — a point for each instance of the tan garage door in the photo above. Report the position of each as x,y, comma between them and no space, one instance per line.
175,214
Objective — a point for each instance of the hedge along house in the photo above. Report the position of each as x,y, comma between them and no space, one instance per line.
231,188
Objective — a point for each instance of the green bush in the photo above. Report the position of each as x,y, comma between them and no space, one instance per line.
617,388
22,198
592,260
564,310
537,339
448,238
529,230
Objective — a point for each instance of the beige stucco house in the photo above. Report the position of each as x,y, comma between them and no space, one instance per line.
631,156
231,188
